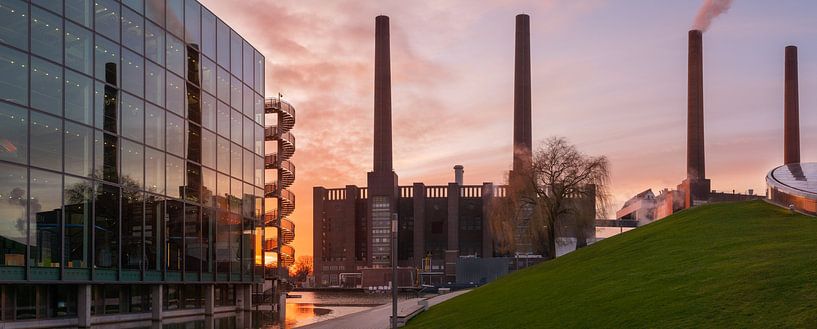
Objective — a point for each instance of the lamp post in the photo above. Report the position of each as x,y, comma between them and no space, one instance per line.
394,271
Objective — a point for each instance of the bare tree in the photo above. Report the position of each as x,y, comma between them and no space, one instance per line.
302,268
561,186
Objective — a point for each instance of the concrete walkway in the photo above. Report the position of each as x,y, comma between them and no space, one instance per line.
378,317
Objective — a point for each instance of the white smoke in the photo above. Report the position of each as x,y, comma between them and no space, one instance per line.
708,11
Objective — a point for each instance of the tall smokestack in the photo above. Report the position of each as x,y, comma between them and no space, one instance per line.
696,165
522,143
382,97
791,129
458,172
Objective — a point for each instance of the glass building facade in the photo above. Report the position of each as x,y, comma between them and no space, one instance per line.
131,154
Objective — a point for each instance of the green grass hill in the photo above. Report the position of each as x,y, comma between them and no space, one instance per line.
727,265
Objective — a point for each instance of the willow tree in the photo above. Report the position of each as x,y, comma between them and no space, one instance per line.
561,186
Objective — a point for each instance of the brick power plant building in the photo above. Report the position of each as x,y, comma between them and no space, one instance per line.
444,233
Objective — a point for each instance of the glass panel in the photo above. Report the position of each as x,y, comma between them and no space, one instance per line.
208,33
155,126
208,111
208,75
133,116
46,34
192,238
13,76
259,171
137,5
106,154
248,63
79,149
259,73
78,48
193,142
52,5
78,195
259,110
79,11
107,58
208,149
133,30
192,191
235,161
175,135
223,155
154,224
175,17
223,81
133,157
154,42
14,23
132,211
107,18
208,189
223,187
223,35
223,119
133,72
235,54
235,126
78,97
106,105
106,226
175,55
207,218
249,128
174,229
154,171
13,187
46,141
259,139
46,86
222,243
175,176
193,65
154,84
248,107
155,11
175,94
192,22
235,243
193,103
249,166
45,217
235,93
13,134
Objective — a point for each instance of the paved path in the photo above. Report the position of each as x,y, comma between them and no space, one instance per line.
378,317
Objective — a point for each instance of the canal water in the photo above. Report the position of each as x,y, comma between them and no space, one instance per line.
312,307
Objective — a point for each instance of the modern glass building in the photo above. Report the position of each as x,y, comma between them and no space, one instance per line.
131,155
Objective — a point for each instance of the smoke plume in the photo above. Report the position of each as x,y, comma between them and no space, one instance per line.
708,11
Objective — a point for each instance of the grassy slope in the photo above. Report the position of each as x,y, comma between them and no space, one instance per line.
745,264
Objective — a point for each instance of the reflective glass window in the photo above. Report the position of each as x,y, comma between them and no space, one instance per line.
46,34
133,72
192,189
78,195
133,157
46,86
235,126
175,134
223,187
259,140
259,171
222,242
175,55
208,148
154,171
133,117
207,218
223,119
154,83
155,126
79,91
223,81
79,11
79,45
208,111
249,128
52,5
45,218
175,233
106,107
248,63
193,70
259,109
223,155
248,106
175,17
208,75
79,149
208,33
175,94
208,187
193,103
106,155
235,93
259,72
13,75
235,193
248,207
107,18
46,141
133,30
137,5
154,225
175,176
235,161
132,228
155,11
223,41
13,134
14,23
106,61
106,226
192,22
249,166
193,142
236,44
192,238
154,43
13,189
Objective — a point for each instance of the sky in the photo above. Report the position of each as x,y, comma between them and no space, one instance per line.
610,76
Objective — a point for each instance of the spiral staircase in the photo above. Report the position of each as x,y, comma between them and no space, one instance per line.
277,191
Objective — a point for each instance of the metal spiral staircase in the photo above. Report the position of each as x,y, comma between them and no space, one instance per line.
278,189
